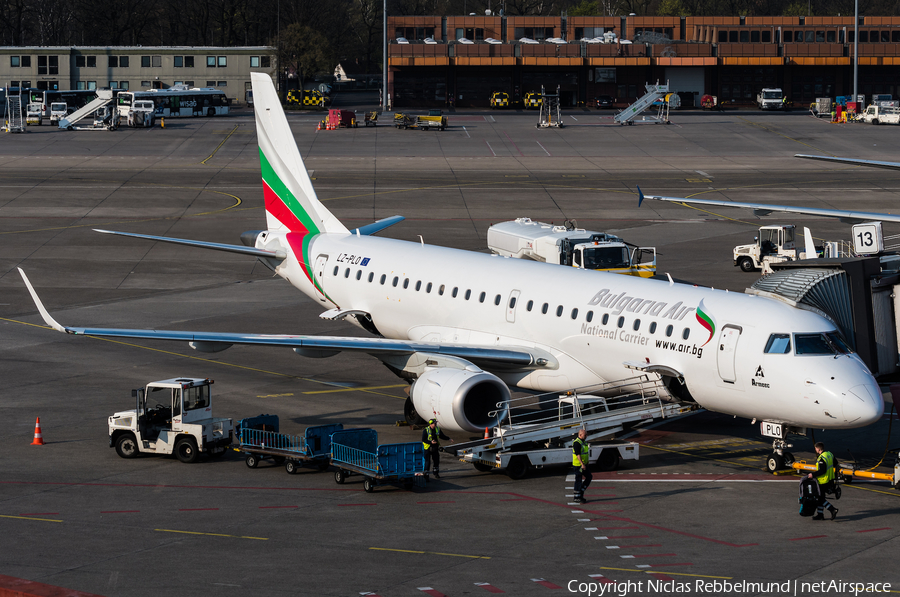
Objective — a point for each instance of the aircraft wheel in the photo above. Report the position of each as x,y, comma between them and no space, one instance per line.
788,458
774,462
746,264
409,412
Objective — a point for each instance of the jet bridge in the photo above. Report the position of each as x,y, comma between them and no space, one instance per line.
532,437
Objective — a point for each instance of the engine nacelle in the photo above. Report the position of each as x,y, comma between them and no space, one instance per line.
460,399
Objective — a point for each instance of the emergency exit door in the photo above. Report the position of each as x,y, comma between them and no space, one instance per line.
319,270
727,351
511,306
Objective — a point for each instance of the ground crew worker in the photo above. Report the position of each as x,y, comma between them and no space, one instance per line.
825,477
431,439
581,458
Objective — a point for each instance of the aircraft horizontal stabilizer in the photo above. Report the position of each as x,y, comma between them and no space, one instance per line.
254,252
507,358
378,226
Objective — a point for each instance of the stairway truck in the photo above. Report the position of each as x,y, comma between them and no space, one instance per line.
605,456
172,416
770,99
567,245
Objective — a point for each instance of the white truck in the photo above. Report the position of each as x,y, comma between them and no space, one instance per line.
58,110
774,244
875,114
770,99
567,245
34,113
178,421
142,114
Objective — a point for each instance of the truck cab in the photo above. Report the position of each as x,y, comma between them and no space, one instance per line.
34,113
770,99
773,244
142,114
875,114
58,110
172,416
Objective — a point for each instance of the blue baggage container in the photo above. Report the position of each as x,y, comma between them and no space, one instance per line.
356,452
258,441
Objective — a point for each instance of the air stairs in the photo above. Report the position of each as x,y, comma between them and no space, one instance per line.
104,98
654,92
15,123
533,438
551,112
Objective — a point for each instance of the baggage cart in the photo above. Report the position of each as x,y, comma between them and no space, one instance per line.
371,118
259,440
356,452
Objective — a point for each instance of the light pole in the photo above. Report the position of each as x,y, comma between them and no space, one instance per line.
384,62
856,51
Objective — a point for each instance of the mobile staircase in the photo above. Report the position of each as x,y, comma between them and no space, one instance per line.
532,438
104,98
654,92
14,123
551,113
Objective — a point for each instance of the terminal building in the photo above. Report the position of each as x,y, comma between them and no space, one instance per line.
135,68
435,59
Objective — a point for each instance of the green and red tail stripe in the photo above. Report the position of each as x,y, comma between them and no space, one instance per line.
706,321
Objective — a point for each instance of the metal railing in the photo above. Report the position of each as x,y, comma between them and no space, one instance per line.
355,457
258,438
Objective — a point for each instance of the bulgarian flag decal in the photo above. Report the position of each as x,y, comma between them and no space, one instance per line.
706,321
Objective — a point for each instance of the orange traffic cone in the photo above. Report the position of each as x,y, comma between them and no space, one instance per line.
319,128
38,437
486,434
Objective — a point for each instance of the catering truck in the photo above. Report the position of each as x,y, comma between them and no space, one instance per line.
567,245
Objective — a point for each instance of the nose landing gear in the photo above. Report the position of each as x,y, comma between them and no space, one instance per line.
780,458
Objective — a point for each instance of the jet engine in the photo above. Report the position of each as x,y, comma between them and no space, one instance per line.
460,399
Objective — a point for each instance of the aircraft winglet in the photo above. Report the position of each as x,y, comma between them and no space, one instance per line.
640,196
47,319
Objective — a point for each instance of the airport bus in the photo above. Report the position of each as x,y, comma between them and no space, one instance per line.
177,101
73,98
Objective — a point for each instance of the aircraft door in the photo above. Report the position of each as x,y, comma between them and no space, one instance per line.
319,272
725,355
511,306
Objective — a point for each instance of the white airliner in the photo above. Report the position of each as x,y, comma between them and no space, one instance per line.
468,326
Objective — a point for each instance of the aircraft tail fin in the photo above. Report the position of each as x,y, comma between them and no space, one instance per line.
291,202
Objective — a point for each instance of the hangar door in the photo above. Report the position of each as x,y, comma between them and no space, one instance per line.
687,78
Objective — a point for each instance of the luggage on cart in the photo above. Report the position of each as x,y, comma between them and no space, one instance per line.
259,440
356,452
810,496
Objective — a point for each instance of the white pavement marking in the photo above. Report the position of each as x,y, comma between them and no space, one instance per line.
548,153
577,511
467,133
702,173
602,538
573,118
491,148
590,528
613,547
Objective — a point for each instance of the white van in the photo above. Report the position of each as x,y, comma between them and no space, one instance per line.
58,110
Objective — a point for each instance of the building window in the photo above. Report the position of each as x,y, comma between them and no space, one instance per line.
79,62
145,62
210,83
810,37
157,61
189,83
92,62
113,84
123,61
177,83
112,61
222,84
767,37
723,37
123,85
188,62
211,62
13,83
178,61
745,37
254,62
830,37
79,85
788,37
265,63
48,65
733,37
145,83
222,61
26,61
754,37
14,62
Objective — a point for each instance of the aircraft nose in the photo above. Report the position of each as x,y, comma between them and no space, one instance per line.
863,404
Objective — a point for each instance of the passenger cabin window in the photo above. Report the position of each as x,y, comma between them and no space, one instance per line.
544,308
371,276
394,282
686,333
481,297
418,285
441,290
497,301
621,322
383,278
669,330
559,310
428,288
336,268
529,305
347,273
778,344
406,283
455,291
652,327
637,325
589,316
512,301
574,313
468,294
358,274
605,319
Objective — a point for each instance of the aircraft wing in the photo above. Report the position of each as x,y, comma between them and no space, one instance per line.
854,161
764,209
488,357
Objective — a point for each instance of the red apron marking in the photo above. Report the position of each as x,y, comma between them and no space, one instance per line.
265,507
873,530
627,537
488,587
357,504
195,509
447,502
545,583
117,511
432,592
805,538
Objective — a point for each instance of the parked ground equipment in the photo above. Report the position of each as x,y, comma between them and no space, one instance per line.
260,440
180,422
880,115
774,244
567,245
770,99
434,120
142,114
653,93
14,121
499,99
533,438
356,452
371,118
340,119
551,111
532,100
34,113
58,110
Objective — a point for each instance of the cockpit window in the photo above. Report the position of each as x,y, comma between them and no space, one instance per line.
779,344
824,343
